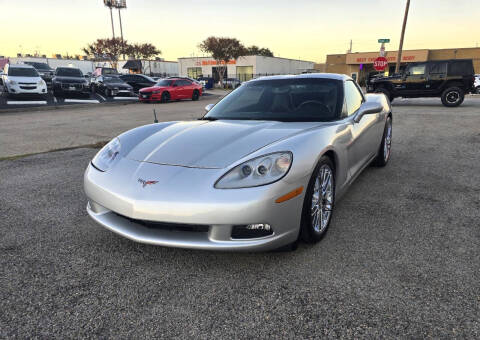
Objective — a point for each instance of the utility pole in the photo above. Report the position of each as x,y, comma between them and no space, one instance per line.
400,47
350,49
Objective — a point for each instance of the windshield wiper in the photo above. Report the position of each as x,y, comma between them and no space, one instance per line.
208,118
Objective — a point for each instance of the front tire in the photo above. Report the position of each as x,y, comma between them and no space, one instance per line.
319,201
385,149
165,97
453,96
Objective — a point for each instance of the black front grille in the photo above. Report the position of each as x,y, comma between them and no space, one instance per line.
28,87
76,86
241,232
145,94
169,226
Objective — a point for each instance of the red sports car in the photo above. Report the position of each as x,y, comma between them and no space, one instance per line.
171,89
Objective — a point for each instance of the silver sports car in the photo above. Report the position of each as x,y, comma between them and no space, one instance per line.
262,169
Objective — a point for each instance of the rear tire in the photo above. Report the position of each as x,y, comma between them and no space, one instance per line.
385,149
195,95
319,202
453,96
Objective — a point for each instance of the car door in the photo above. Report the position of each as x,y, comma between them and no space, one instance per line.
188,89
415,79
144,82
176,90
129,79
437,74
365,133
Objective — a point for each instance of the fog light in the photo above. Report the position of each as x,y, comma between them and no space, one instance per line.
259,226
251,231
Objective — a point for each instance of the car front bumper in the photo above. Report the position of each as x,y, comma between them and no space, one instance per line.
19,89
181,196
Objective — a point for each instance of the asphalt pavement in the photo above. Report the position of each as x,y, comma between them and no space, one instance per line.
401,258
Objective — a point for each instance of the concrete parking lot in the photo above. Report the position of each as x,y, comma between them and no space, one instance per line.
401,258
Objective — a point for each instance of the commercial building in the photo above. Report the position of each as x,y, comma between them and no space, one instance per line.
244,68
159,68
156,68
360,65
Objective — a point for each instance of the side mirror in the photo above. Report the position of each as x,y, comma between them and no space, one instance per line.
209,107
368,107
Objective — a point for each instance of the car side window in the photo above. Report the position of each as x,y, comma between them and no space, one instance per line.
353,97
438,68
415,70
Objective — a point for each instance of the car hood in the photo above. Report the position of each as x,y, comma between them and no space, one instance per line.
25,79
73,80
118,85
214,145
153,88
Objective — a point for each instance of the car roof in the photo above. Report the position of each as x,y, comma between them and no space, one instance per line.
20,66
333,76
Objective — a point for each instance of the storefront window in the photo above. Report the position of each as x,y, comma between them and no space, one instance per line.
244,73
194,72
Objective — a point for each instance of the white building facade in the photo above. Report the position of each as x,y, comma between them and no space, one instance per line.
244,68
149,67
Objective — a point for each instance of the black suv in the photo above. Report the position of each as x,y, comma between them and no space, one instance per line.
44,70
70,81
448,79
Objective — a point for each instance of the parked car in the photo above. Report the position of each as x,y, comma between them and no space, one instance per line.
111,86
22,79
187,78
70,81
138,81
477,83
171,89
105,71
231,83
45,71
448,79
263,168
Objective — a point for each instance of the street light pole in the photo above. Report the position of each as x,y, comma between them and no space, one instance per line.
111,17
400,47
121,32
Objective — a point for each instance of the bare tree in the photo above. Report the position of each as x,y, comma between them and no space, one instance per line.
222,50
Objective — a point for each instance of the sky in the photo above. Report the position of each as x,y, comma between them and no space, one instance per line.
300,29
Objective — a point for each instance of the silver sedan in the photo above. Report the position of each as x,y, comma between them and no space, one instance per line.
262,169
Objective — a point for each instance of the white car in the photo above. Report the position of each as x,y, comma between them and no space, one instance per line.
477,83
23,79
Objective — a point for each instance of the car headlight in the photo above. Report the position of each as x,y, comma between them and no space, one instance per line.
104,159
40,82
12,82
156,92
257,171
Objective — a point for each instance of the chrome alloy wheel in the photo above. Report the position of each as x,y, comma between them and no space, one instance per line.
387,145
452,97
322,199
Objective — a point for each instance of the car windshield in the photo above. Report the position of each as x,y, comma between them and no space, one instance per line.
40,66
69,72
301,99
114,80
164,82
22,72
